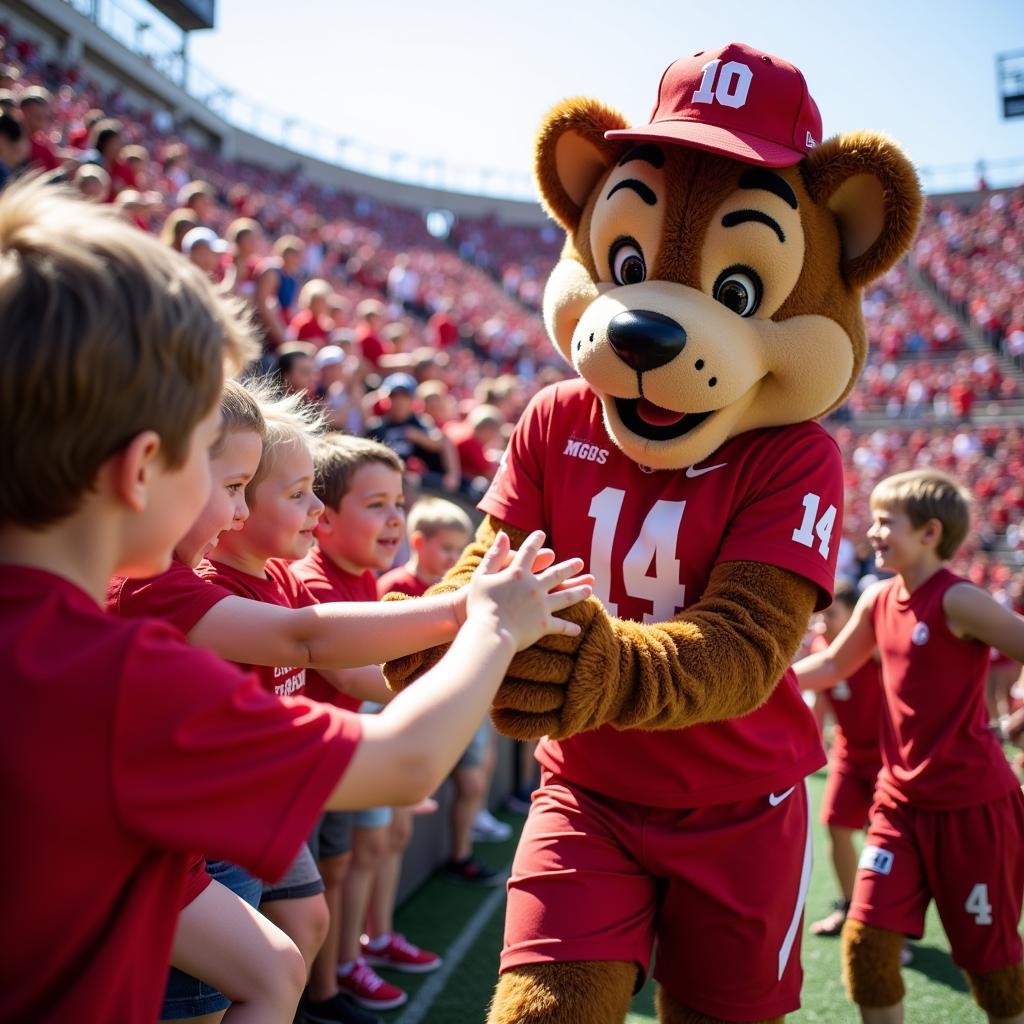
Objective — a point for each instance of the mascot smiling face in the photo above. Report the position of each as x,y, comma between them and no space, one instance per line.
710,282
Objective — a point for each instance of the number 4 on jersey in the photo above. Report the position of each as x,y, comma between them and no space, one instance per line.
813,526
978,904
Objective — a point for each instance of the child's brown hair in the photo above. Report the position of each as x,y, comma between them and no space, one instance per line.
429,516
337,458
925,494
106,334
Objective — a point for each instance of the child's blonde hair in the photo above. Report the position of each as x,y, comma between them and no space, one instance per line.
337,458
429,516
317,288
106,334
239,411
925,494
288,419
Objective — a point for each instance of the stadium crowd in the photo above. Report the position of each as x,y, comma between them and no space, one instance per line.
434,346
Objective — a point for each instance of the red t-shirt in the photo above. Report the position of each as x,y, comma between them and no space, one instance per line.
327,582
42,153
371,345
306,327
857,705
401,581
937,748
278,587
178,597
473,459
651,538
123,750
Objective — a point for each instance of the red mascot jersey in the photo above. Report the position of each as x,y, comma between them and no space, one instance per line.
651,539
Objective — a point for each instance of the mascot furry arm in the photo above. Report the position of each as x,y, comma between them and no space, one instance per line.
848,212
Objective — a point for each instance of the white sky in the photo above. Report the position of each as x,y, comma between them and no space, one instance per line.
468,82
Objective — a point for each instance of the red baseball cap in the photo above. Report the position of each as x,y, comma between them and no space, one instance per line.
736,101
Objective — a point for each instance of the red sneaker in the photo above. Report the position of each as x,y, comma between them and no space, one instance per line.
363,985
401,955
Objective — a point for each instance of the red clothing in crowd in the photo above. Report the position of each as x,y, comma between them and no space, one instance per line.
401,581
473,460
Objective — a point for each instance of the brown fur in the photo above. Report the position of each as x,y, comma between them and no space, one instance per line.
579,992
671,1011
871,965
999,993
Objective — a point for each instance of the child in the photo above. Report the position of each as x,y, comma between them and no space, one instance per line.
855,759
948,818
359,482
120,742
438,532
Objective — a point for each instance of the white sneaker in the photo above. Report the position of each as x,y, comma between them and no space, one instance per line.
487,828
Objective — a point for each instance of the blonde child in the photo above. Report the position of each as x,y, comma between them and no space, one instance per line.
948,819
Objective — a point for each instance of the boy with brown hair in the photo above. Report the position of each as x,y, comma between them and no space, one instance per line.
360,484
120,742
948,819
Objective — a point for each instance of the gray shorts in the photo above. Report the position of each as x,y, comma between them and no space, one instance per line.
300,880
372,817
333,835
474,754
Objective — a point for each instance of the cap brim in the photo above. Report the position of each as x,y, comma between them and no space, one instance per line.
749,149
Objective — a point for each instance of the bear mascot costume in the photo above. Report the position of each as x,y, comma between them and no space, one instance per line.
708,296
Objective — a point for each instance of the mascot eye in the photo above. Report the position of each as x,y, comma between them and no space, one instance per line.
627,262
738,289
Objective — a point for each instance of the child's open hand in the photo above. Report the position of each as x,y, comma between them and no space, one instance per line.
520,600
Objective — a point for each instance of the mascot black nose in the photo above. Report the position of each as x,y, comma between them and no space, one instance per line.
644,340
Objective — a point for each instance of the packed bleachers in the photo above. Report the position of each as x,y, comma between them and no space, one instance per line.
461,314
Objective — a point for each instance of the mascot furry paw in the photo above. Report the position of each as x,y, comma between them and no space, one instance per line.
709,298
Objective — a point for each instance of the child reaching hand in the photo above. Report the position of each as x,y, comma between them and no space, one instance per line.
112,367
948,819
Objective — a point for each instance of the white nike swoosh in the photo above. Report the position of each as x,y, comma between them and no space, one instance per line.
776,800
693,471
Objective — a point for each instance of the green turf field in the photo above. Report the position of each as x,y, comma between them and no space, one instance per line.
444,914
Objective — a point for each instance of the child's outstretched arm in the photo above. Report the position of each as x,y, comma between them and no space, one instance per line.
409,748
343,634
850,649
973,614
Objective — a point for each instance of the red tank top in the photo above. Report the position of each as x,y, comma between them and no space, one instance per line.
857,705
937,749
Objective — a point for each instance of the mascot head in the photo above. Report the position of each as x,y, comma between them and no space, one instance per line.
711,277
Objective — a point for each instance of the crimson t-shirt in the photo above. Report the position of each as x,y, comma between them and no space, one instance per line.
327,582
278,587
937,749
651,539
401,581
123,750
179,597
857,705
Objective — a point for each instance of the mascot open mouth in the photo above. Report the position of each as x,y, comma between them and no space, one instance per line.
654,423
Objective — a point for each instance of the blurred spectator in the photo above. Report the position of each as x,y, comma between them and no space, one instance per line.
9,76
201,198
295,368
276,288
339,389
312,322
36,106
204,248
92,183
79,131
244,235
371,345
177,226
477,440
14,147
176,167
427,453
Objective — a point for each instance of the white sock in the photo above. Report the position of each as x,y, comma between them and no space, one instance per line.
380,942
346,969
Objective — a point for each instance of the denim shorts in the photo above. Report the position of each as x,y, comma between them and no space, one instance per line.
474,755
302,879
372,817
186,996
